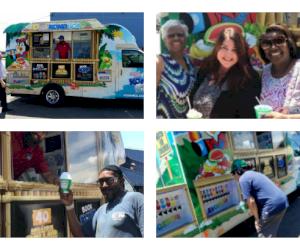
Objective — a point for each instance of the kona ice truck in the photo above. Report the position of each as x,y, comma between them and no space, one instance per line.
196,194
81,58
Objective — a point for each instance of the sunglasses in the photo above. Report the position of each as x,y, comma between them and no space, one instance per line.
268,43
173,35
108,180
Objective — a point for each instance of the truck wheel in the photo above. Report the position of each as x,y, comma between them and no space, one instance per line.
53,95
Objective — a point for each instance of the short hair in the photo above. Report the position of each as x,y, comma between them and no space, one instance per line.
283,29
170,24
117,170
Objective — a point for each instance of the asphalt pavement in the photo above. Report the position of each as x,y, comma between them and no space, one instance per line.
73,108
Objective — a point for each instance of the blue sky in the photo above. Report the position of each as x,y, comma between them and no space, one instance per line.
133,139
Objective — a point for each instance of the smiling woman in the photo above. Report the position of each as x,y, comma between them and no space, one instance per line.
175,75
227,83
281,77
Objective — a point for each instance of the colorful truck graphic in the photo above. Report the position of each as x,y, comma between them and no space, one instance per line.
100,61
196,194
204,29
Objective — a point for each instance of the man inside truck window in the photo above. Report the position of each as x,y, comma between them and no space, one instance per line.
121,216
62,49
267,202
28,161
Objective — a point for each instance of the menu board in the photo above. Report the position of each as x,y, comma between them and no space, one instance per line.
61,70
41,39
173,210
281,166
85,209
267,166
38,219
40,71
84,72
219,197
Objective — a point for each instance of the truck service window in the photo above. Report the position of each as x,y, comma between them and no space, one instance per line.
278,139
82,44
243,140
36,154
132,59
264,140
41,45
0,158
62,45
82,153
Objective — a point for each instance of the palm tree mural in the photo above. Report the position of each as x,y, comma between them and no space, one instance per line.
105,58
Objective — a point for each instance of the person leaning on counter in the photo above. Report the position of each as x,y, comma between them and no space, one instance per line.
121,216
266,202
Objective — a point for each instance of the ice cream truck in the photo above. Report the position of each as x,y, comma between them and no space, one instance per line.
30,206
81,58
196,194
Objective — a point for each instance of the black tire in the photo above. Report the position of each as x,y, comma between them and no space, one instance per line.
53,95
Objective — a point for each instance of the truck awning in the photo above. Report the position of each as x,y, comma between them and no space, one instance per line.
15,28
64,25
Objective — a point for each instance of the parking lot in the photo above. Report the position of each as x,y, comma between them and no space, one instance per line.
73,108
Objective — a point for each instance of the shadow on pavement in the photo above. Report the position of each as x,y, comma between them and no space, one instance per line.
75,107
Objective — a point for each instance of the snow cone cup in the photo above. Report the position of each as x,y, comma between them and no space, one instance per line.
262,109
243,206
65,182
193,114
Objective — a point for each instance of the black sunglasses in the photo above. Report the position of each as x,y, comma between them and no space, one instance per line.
267,43
108,180
173,35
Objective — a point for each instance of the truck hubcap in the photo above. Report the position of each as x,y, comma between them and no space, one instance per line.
52,96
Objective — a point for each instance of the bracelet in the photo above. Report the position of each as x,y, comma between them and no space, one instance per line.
70,207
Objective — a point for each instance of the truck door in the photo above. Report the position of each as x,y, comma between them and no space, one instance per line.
131,75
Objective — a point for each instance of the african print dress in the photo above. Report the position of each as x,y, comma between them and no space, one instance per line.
175,86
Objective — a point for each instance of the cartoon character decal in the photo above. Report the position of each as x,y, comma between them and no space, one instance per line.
17,53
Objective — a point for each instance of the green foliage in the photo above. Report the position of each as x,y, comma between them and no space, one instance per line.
14,30
254,29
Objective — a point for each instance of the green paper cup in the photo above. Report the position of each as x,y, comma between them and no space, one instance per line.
261,110
65,182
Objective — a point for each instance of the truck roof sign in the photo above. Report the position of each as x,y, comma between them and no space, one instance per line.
64,25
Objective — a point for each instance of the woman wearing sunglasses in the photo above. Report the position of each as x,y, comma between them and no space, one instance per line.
227,82
175,75
281,77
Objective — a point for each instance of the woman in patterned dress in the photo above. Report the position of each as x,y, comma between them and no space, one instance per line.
227,83
175,74
281,77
